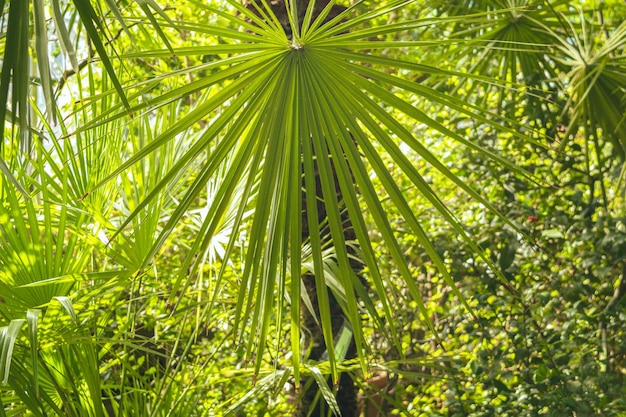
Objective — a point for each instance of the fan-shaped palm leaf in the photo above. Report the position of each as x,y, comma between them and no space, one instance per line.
300,104
289,106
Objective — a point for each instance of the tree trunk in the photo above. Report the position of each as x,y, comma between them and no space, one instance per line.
347,392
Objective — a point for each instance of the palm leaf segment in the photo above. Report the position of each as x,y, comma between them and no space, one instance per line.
288,107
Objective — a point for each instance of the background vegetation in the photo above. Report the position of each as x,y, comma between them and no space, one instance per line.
150,218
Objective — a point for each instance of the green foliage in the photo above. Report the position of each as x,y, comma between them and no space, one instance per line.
151,239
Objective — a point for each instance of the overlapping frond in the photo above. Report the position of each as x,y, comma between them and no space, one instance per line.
288,106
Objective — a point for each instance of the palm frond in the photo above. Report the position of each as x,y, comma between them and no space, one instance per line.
280,94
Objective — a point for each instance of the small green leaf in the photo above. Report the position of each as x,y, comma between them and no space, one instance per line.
43,61
8,335
327,393
68,306
552,234
32,316
64,35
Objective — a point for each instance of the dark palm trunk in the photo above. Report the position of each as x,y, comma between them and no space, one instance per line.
346,394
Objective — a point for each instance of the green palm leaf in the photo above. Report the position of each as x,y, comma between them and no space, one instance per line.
288,103
281,109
